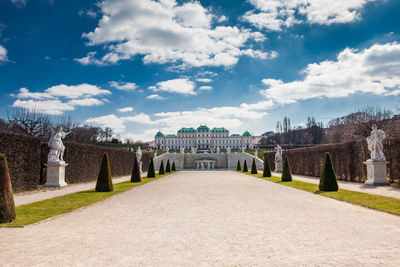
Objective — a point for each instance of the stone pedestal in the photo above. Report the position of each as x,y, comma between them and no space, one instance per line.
376,172
56,174
140,166
278,166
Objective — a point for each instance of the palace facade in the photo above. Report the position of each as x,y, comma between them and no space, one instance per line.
204,138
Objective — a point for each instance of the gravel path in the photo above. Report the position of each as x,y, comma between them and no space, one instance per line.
392,190
213,218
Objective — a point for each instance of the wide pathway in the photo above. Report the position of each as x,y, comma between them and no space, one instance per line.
213,218
392,190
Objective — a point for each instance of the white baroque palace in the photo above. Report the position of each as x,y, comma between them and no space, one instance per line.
204,138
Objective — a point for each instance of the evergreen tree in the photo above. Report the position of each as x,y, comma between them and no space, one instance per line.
168,167
151,173
7,205
267,168
238,167
245,166
254,167
173,168
104,181
286,173
136,177
161,170
328,180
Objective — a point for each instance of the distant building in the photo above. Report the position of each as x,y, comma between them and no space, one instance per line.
204,138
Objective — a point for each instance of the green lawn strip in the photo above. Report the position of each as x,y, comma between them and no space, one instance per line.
381,203
42,210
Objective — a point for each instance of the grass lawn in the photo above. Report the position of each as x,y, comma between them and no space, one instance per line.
42,210
382,203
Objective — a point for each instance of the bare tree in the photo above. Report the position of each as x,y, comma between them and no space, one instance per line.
30,122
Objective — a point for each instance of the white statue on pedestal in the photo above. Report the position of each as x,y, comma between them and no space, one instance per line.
193,150
57,147
182,150
138,154
228,150
375,144
243,149
278,154
256,153
218,150
167,149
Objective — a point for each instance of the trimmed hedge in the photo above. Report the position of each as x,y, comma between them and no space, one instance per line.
328,180
286,173
168,167
238,167
104,182
161,170
136,177
245,167
253,167
267,169
7,205
173,166
151,173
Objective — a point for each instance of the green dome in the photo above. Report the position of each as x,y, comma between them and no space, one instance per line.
186,130
219,130
159,133
246,133
203,128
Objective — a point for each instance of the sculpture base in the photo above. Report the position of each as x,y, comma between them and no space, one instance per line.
278,166
56,174
376,172
140,166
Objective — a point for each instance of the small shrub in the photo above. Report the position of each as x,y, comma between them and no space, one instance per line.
151,173
267,168
173,168
328,180
7,205
168,167
104,181
238,167
161,170
286,173
136,177
245,167
254,167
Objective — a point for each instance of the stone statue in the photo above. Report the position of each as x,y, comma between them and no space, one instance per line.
167,149
243,149
182,150
278,154
138,154
375,144
211,150
56,146
218,150
194,150
256,153
228,150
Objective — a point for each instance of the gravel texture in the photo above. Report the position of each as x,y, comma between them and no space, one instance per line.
217,218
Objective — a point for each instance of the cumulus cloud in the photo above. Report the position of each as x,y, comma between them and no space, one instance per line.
60,98
205,88
180,86
155,97
125,86
3,54
204,80
374,70
127,109
165,32
277,14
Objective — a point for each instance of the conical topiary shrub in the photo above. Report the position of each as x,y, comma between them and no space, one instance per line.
136,177
7,205
173,168
286,173
151,173
104,182
328,180
168,167
267,168
238,167
254,167
245,166
161,170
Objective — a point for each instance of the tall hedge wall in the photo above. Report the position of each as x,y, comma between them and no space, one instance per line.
27,157
347,159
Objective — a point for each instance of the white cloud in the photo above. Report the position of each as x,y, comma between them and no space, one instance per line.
167,32
204,80
222,18
276,14
205,88
51,100
3,54
375,70
179,86
90,13
125,86
127,109
155,97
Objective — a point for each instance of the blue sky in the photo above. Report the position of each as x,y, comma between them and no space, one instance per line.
141,65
